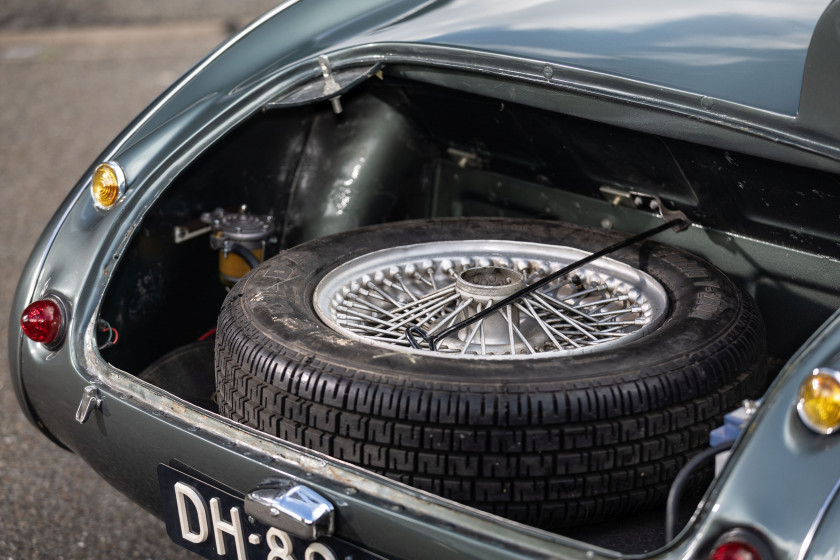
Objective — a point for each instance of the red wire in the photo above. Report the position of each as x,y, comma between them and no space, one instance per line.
207,335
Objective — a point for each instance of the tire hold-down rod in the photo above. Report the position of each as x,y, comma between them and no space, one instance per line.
678,223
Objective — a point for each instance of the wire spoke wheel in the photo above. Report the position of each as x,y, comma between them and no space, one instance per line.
375,298
573,404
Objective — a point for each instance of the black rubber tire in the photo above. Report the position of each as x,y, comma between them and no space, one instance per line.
549,442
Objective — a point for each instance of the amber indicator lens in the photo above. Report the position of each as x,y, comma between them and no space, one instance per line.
107,185
41,321
819,401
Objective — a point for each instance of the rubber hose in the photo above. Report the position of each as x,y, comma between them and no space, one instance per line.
246,255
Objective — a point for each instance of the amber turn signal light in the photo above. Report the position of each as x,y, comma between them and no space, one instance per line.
107,185
43,321
819,401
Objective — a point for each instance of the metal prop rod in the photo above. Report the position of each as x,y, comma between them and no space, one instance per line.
432,341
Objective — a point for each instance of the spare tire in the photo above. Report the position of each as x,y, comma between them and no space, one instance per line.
580,404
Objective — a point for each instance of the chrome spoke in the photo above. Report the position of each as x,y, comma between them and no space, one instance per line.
471,335
533,314
399,278
384,296
584,329
514,329
450,318
421,310
548,299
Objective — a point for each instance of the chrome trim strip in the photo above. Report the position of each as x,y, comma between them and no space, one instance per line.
815,525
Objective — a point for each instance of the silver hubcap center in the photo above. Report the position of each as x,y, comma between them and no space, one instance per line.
488,283
483,286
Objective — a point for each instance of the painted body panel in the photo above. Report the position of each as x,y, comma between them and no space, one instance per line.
752,55
758,61
747,53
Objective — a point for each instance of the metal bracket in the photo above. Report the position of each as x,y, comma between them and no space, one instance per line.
292,508
644,201
90,402
190,230
330,85
464,159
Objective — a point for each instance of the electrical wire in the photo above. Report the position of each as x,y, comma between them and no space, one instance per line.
113,336
672,506
207,335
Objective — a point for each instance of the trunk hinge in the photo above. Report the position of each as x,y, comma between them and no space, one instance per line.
330,85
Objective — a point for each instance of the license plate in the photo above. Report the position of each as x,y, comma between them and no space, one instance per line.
212,522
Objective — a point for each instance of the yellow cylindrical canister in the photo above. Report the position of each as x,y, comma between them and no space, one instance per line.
232,267
239,232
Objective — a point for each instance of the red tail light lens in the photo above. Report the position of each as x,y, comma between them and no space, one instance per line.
735,551
42,321
741,544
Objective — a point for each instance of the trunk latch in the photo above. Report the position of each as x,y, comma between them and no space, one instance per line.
290,507
90,402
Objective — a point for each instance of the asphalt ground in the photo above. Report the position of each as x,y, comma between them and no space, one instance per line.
72,75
